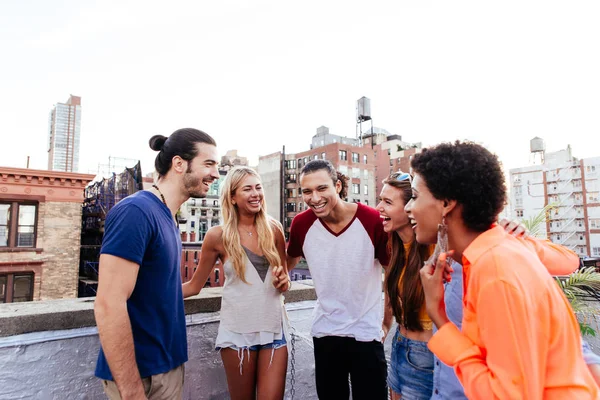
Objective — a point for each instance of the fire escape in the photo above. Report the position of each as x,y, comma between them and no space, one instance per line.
567,226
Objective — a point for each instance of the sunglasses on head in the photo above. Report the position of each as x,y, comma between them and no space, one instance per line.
404,177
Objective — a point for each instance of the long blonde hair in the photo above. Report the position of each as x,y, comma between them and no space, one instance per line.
263,222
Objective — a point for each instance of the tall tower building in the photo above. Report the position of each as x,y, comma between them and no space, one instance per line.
64,129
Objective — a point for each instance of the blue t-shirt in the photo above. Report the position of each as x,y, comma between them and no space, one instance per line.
140,228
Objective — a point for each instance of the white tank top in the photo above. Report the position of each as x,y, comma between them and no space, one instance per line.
250,312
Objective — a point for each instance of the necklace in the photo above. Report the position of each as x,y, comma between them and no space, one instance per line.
247,231
163,199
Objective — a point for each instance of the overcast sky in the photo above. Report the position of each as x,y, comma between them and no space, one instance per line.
261,74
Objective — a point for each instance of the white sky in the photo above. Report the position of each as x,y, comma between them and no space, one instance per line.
261,74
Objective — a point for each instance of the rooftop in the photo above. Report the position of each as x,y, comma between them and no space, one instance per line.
48,349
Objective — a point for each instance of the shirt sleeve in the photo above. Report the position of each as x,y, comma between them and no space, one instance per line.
127,233
556,258
508,369
294,248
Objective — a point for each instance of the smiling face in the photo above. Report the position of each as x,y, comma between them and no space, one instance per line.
391,209
248,197
424,211
202,171
319,192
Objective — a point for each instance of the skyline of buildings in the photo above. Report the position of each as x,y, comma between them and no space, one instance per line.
569,188
64,131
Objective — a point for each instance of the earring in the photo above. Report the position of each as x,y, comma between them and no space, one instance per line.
442,242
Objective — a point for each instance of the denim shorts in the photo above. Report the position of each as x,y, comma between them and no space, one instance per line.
411,368
276,344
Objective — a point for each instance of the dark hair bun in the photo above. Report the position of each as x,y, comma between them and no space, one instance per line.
157,142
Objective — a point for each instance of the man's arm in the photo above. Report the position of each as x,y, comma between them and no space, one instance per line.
208,258
388,316
291,262
281,279
116,282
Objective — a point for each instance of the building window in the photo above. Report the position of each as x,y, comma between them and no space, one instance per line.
519,213
18,224
595,223
596,251
315,157
518,190
365,174
322,156
305,160
216,276
355,188
300,163
366,190
16,287
193,212
355,157
291,207
192,224
291,164
364,158
291,178
343,155
519,202
356,173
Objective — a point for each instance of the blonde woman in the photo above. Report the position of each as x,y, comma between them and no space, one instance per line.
252,333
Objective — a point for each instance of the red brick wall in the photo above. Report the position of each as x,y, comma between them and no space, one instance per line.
189,263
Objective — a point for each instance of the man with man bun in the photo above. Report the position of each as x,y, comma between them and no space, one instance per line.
139,305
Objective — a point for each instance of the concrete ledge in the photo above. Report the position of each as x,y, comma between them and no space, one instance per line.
51,315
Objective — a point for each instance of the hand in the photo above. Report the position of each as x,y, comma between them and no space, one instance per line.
432,276
514,228
281,280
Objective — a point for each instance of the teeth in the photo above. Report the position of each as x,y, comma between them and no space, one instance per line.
319,206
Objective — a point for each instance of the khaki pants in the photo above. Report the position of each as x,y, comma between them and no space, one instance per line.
167,386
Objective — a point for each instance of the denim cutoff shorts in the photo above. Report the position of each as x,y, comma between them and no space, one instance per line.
276,344
411,368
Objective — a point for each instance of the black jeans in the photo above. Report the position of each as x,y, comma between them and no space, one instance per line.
337,357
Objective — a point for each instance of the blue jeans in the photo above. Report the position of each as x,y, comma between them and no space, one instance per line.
411,368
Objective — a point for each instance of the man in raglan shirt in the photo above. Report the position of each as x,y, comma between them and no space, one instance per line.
344,245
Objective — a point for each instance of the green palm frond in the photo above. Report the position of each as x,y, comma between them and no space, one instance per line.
535,224
581,288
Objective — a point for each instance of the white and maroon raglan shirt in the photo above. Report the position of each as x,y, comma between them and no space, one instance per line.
346,271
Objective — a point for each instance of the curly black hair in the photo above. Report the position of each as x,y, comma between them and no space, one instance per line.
468,173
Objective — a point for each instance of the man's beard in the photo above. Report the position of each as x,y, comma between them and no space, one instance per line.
194,186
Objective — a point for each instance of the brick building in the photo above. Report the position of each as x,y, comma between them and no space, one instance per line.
190,255
365,165
40,226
